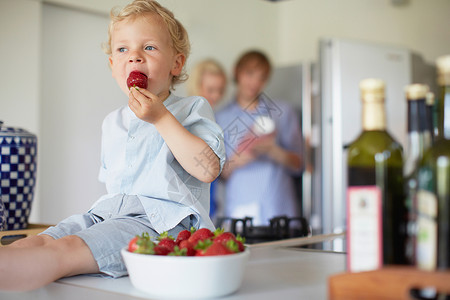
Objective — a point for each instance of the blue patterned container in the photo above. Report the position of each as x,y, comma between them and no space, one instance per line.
3,216
18,157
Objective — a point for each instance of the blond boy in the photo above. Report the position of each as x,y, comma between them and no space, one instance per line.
159,154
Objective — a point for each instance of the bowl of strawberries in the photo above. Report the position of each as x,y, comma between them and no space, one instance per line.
196,264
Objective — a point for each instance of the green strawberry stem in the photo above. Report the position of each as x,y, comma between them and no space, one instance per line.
203,245
164,235
219,231
178,252
232,246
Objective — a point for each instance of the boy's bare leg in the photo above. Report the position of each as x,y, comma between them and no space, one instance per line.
46,260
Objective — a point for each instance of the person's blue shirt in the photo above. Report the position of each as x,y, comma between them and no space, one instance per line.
137,161
263,188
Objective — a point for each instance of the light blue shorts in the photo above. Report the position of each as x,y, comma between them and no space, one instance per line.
108,228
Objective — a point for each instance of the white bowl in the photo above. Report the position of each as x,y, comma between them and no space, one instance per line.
186,276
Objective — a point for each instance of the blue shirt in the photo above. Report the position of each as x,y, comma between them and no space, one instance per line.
135,160
263,188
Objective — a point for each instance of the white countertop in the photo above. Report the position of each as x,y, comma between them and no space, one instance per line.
274,271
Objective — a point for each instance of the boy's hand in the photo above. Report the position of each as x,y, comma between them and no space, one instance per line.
147,106
193,153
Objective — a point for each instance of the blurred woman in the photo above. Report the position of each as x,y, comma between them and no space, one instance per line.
209,80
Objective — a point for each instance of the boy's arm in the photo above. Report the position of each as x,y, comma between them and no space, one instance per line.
193,153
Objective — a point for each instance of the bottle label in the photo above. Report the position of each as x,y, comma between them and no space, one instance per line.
364,228
427,230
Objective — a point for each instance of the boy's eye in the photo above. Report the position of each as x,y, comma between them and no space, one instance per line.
122,49
149,48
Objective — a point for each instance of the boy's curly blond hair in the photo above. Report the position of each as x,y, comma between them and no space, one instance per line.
178,34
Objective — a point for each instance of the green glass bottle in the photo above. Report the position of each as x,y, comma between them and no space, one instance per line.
430,131
433,197
375,197
419,140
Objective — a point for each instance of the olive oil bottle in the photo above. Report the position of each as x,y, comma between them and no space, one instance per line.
375,197
431,119
419,140
433,197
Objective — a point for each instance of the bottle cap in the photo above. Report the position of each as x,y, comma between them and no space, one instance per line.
372,93
443,70
372,90
430,98
416,91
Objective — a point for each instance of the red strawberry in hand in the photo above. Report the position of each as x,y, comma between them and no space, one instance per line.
137,79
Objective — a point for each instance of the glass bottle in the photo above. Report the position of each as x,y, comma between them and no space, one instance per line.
375,197
418,142
429,132
433,197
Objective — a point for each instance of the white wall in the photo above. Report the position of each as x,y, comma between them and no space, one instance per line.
58,80
421,25
289,30
20,44
77,93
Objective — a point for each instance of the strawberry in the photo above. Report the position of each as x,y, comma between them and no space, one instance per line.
217,249
190,251
160,250
165,240
137,79
240,242
132,246
141,244
224,237
177,251
183,235
200,235
232,245
167,243
201,246
241,246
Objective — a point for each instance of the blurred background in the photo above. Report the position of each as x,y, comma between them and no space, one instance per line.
56,83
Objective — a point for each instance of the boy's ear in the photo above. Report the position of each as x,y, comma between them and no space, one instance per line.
111,66
178,64
110,61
